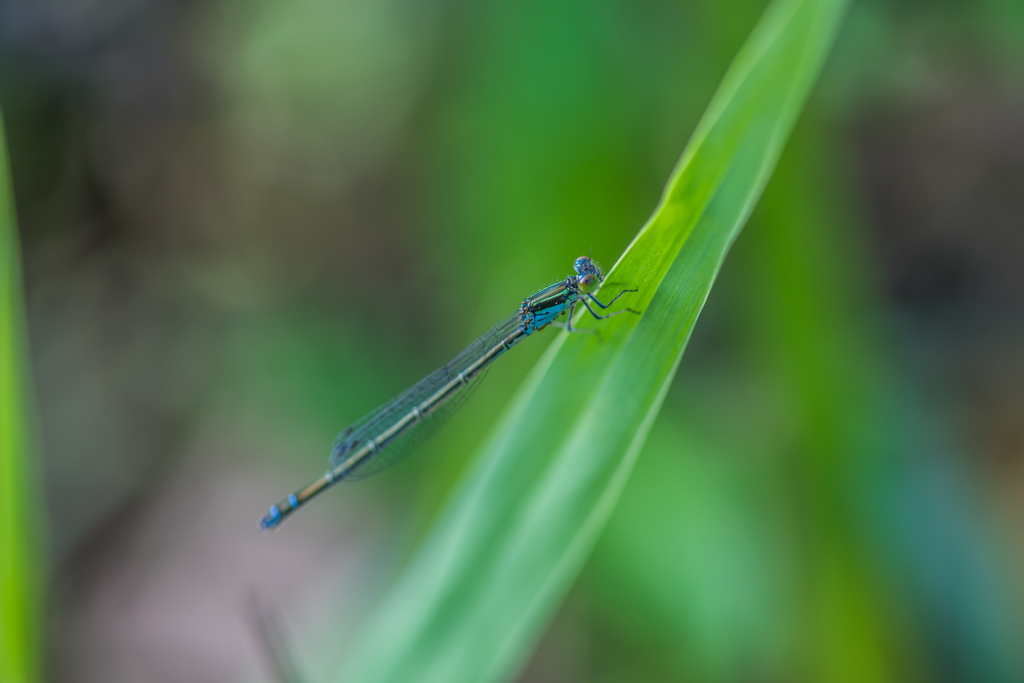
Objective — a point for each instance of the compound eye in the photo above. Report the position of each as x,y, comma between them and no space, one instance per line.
587,282
583,265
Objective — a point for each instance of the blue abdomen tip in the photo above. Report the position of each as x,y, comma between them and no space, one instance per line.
271,519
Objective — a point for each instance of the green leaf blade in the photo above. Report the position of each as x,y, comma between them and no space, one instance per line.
477,596
20,564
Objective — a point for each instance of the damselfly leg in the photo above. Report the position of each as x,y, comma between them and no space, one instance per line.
567,325
609,315
598,302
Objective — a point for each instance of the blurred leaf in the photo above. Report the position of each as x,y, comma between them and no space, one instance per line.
694,568
884,488
479,593
19,563
331,76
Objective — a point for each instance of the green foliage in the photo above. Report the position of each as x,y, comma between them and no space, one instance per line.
517,531
19,562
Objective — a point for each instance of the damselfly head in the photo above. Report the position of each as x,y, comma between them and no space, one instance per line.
585,265
588,282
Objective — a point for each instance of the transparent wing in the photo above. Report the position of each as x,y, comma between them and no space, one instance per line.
411,439
377,422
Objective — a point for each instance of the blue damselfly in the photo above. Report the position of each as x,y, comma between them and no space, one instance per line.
386,434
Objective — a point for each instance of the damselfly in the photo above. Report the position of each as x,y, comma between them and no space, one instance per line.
383,436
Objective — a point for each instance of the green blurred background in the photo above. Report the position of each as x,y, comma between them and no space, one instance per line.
245,224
